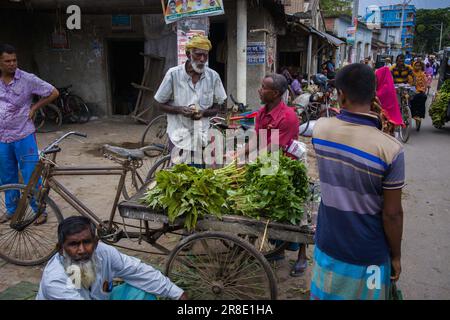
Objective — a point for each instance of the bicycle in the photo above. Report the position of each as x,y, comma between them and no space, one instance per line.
404,91
67,107
155,133
22,241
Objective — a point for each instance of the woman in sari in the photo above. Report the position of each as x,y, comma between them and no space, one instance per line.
420,98
387,97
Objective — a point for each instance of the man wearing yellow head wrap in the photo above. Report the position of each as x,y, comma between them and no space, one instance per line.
190,94
200,42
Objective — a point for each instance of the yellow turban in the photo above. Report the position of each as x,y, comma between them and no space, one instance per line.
199,42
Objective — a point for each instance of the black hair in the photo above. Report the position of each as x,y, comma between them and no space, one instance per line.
357,81
73,225
279,83
6,48
401,55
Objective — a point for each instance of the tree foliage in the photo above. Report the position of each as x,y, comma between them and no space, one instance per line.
333,7
428,23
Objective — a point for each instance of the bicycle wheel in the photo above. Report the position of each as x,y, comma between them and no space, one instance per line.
144,175
78,110
163,163
156,134
407,120
304,121
313,110
215,265
25,243
48,119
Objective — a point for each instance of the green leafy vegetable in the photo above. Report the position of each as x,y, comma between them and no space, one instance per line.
274,187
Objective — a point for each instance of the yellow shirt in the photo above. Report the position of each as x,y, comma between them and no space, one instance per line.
402,74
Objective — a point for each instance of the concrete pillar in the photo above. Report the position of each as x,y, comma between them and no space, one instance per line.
241,45
309,58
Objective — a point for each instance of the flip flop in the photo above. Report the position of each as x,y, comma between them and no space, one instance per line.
298,269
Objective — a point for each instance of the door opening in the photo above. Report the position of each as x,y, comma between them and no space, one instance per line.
217,59
126,65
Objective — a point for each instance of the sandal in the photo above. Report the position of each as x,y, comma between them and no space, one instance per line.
299,268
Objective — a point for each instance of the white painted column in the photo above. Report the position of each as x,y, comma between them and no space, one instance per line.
241,45
309,57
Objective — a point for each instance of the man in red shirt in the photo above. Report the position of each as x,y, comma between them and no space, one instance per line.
275,114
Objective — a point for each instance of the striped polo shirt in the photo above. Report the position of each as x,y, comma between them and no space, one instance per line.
356,161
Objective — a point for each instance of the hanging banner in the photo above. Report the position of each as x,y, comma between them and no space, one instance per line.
185,30
179,9
351,32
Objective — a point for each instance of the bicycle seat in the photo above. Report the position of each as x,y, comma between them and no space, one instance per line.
131,154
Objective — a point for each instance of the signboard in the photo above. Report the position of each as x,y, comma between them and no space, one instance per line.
121,21
256,53
185,30
180,9
351,33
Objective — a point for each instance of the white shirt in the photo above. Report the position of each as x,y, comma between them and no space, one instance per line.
177,89
56,285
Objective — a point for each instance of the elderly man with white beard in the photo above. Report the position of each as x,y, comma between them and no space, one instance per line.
84,269
190,94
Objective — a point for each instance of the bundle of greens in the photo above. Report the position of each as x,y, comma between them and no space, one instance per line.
192,193
275,190
256,190
438,108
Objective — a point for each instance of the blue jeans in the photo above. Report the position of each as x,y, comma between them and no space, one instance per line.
23,155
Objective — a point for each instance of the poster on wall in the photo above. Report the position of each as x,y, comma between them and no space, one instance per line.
256,53
185,30
176,10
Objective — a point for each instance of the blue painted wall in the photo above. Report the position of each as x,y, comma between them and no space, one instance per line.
391,18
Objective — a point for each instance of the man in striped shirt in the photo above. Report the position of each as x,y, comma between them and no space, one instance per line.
361,169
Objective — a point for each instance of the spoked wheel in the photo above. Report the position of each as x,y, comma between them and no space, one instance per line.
163,163
155,134
26,243
79,110
144,175
314,110
221,266
407,120
48,118
304,120
269,248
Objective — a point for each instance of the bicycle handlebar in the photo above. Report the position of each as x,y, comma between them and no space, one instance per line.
55,143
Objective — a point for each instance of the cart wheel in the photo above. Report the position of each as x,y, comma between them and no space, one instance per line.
270,248
221,266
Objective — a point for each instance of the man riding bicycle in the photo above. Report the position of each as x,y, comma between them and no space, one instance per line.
401,72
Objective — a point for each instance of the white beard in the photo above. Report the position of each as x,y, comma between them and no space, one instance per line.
87,270
196,68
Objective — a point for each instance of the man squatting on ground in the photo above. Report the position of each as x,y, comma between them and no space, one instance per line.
84,269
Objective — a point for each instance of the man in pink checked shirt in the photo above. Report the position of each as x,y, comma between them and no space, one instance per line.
18,146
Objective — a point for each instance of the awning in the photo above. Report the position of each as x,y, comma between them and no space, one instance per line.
331,39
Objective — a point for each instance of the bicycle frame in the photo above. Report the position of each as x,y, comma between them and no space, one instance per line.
47,169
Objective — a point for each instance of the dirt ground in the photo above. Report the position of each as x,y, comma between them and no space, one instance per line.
98,192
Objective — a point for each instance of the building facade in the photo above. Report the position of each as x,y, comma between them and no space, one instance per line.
391,17
350,53
103,58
